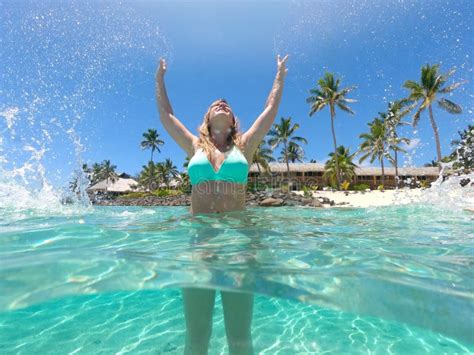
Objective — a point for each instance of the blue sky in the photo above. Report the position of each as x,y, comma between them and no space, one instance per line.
78,78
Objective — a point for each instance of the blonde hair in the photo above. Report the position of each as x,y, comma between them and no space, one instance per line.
205,142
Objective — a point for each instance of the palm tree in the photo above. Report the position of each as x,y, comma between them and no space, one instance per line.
185,182
373,145
149,176
96,173
329,94
186,162
261,157
151,141
345,164
295,152
166,171
282,133
108,171
463,154
431,85
393,119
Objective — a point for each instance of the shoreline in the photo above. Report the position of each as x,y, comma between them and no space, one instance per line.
374,198
321,199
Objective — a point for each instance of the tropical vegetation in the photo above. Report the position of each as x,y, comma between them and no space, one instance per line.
397,110
151,141
428,90
373,145
283,134
463,154
345,164
329,94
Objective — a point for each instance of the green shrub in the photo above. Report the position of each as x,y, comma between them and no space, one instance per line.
166,192
257,187
424,184
307,192
134,195
380,187
360,187
185,189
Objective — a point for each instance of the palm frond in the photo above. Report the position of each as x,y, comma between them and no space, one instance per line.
412,85
451,87
449,106
300,139
345,108
416,116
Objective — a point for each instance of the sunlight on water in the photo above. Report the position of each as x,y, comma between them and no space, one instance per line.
417,273
153,322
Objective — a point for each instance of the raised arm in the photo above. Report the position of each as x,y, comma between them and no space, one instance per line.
175,128
256,133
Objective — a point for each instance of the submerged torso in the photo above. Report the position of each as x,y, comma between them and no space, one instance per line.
222,190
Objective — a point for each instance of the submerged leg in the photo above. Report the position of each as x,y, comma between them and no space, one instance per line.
238,310
198,306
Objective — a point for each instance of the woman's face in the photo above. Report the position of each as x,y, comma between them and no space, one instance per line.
221,114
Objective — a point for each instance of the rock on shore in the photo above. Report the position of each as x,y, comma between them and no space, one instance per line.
261,198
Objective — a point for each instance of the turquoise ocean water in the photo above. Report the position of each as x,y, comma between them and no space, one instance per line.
107,279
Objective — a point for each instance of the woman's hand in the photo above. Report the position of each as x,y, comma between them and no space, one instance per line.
160,73
281,65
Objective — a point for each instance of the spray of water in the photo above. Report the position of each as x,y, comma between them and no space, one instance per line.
59,58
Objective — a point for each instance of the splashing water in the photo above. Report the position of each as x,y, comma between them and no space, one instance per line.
414,274
58,60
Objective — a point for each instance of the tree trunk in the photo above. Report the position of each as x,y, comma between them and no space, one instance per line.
259,172
151,155
383,172
396,167
336,157
436,134
287,168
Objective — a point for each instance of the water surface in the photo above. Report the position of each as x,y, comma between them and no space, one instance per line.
108,278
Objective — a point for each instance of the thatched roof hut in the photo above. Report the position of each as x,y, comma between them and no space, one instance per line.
120,185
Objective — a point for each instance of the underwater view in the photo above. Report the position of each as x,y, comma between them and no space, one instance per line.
310,189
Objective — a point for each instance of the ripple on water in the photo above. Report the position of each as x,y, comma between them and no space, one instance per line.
412,272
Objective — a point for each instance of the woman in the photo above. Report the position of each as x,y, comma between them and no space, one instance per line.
218,168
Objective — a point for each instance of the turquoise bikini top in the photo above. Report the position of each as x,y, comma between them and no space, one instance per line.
235,168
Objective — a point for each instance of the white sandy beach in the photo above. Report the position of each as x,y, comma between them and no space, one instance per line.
373,198
462,199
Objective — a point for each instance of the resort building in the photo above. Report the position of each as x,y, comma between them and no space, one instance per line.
173,184
312,174
123,184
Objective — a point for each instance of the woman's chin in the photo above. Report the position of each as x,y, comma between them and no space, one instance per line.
222,120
